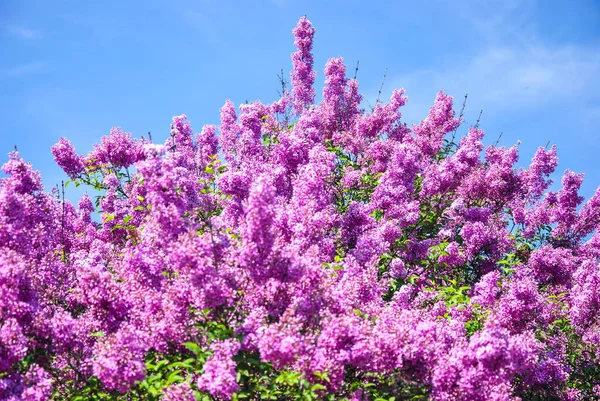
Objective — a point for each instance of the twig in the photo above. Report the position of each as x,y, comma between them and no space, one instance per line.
356,71
174,143
283,83
498,140
478,118
381,87
150,136
460,117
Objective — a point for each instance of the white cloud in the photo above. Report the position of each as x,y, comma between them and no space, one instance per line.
23,32
36,66
512,70
510,78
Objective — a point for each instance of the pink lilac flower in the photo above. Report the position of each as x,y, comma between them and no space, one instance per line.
219,377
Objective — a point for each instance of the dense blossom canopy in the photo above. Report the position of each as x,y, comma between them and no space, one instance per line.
301,250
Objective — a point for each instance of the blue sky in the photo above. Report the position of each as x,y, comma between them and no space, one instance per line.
78,68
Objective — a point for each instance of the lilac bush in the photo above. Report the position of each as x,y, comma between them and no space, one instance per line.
301,250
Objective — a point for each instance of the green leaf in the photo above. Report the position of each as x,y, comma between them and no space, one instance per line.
140,198
322,376
126,219
161,363
193,347
185,364
97,334
175,377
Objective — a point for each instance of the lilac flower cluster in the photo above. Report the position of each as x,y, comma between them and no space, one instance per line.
303,76
369,257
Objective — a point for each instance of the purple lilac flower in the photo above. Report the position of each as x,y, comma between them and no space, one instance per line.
303,75
219,377
67,159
